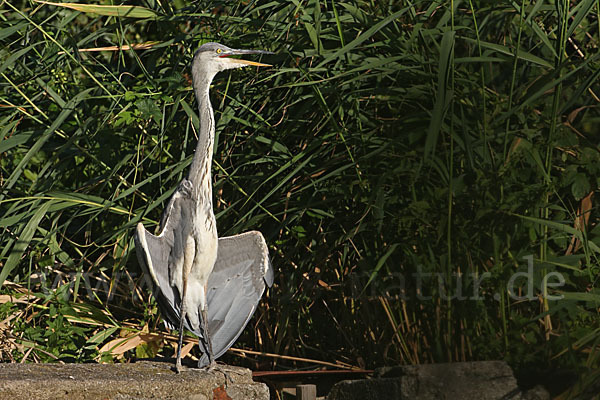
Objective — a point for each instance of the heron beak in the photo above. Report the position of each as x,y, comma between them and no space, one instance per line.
246,62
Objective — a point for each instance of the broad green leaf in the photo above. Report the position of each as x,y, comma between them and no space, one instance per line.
102,335
6,32
380,264
23,240
109,11
149,109
363,37
36,147
521,54
14,141
581,296
585,7
580,186
443,96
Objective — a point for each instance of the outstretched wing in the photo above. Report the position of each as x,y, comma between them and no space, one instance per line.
162,256
235,286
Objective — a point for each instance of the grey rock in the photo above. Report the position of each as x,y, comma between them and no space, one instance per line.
135,381
483,380
367,389
536,393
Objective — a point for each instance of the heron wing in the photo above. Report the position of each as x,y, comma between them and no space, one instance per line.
235,286
161,255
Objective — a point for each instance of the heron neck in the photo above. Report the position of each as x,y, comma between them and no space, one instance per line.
199,174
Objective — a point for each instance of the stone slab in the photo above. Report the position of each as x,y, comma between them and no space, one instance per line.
135,381
480,380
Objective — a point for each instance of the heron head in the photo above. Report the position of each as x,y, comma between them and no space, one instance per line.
214,57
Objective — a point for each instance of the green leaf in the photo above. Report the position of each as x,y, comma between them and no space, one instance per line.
129,95
23,240
581,296
15,140
521,54
585,7
580,186
36,147
32,176
443,96
149,109
109,11
380,264
6,32
363,37
102,335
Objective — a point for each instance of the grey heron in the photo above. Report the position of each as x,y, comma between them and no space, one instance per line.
206,284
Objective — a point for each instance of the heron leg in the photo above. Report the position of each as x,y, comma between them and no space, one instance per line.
180,342
188,258
207,344
206,336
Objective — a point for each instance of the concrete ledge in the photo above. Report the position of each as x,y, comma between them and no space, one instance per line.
136,381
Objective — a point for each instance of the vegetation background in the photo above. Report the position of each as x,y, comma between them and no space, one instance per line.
389,138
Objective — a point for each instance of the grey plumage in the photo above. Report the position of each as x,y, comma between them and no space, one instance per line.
209,285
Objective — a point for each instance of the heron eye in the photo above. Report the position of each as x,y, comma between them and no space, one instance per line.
219,51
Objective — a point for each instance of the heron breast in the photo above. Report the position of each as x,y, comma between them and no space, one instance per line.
206,254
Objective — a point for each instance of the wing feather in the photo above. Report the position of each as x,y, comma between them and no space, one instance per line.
241,273
162,255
